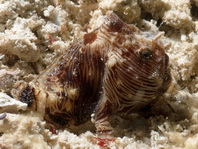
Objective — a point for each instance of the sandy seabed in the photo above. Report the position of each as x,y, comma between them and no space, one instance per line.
33,33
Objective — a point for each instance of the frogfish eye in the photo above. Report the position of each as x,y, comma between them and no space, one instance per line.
146,54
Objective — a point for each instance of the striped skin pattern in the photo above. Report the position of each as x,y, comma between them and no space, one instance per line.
116,69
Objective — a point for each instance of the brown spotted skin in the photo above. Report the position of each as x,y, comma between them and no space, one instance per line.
112,70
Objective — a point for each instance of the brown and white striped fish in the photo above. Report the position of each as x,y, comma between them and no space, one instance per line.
116,69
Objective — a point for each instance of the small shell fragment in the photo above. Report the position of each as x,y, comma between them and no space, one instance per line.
2,116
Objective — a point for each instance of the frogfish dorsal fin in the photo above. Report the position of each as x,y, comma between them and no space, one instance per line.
114,24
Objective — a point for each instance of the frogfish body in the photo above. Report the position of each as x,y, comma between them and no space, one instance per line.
115,69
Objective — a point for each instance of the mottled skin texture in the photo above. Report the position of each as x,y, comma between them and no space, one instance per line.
112,70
